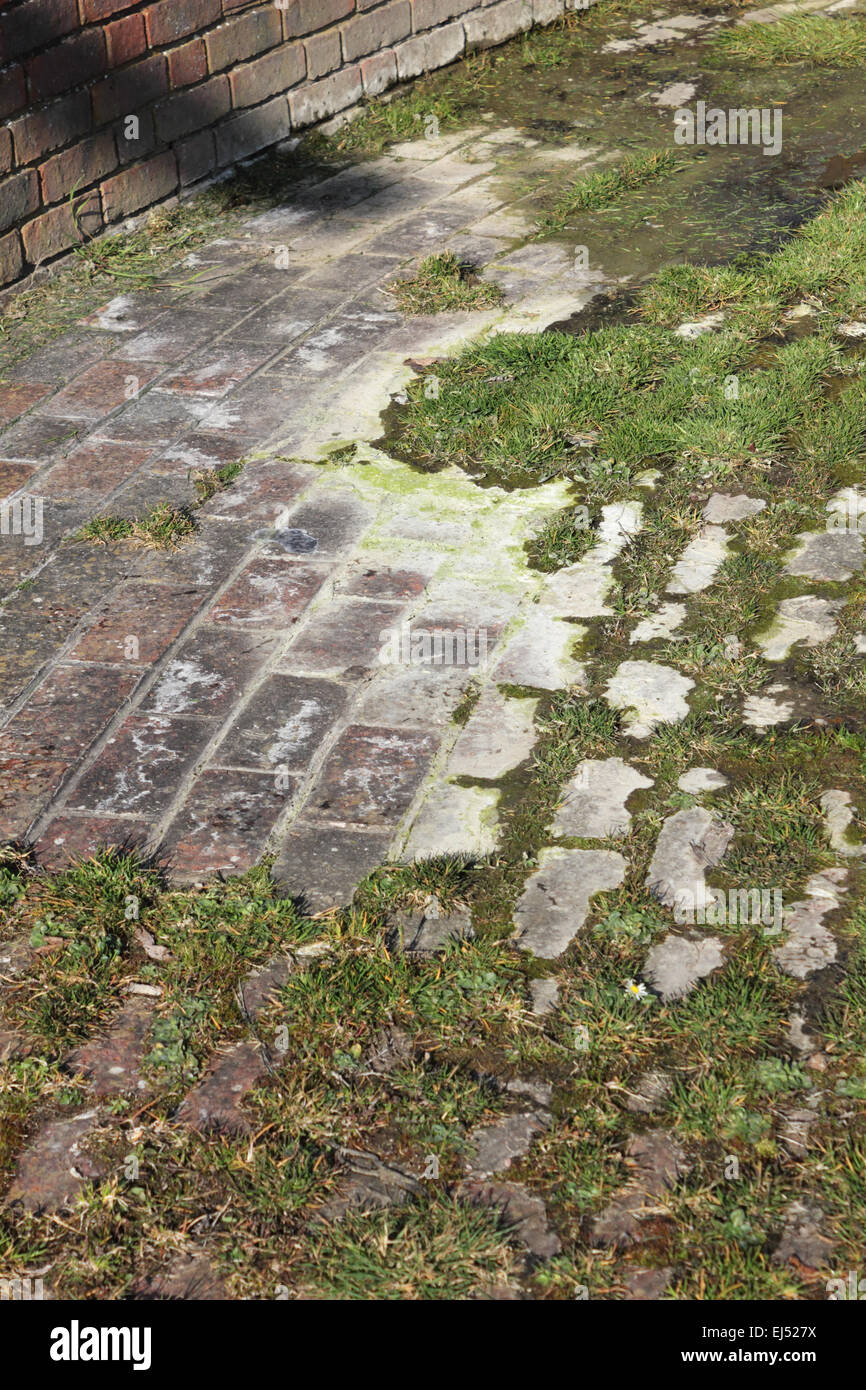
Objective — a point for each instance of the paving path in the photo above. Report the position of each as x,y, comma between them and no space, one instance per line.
238,694
285,682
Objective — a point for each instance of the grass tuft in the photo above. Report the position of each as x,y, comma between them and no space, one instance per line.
815,39
442,285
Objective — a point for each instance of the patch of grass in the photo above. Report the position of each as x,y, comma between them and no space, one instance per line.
814,39
409,115
518,408
81,928
209,481
442,285
436,1249
163,527
601,187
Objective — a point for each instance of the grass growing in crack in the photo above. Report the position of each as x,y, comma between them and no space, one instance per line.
601,187
209,481
80,935
163,527
813,39
444,284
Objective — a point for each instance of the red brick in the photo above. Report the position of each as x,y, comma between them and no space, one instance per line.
76,837
215,1103
306,16
152,613
196,157
35,134
172,19
113,1063
187,64
125,39
130,149
141,766
425,52
78,166
29,27
68,710
13,90
57,230
18,197
317,100
269,593
20,396
99,390
371,775
92,471
253,131
11,259
66,65
224,826
189,111
241,38
427,13
323,54
125,93
379,72
94,10
254,82
139,186
368,33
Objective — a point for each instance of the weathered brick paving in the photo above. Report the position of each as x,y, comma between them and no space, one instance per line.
228,697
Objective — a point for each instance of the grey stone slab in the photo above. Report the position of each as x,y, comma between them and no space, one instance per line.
830,556
724,507
649,694
675,965
455,820
284,723
690,842
595,799
323,865
497,1146
805,619
499,734
555,902
701,779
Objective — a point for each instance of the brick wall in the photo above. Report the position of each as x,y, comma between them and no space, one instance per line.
122,104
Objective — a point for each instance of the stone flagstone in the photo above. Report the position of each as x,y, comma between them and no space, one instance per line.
697,566
455,820
499,734
554,904
806,619
649,694
839,816
594,804
808,945
579,590
690,842
724,507
675,965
